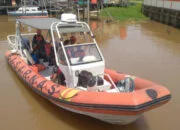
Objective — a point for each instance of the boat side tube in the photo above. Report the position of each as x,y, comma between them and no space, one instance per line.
131,103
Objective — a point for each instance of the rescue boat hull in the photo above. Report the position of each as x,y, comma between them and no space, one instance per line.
109,118
115,108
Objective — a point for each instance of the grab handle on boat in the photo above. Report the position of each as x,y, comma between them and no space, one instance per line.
126,85
111,80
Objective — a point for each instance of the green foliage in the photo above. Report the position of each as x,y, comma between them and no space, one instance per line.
122,13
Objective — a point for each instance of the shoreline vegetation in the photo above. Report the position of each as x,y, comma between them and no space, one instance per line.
130,13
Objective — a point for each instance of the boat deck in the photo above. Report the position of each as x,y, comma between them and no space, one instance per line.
47,72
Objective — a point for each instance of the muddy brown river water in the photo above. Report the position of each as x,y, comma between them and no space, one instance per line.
146,49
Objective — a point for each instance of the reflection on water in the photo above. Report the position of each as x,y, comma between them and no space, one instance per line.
123,32
148,49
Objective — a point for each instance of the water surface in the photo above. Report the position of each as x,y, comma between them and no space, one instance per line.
148,49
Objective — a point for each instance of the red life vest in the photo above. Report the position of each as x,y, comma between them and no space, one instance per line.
48,49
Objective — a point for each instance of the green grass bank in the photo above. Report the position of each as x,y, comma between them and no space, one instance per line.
122,13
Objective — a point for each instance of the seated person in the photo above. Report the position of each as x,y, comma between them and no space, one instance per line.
57,76
70,50
75,51
38,45
73,40
66,42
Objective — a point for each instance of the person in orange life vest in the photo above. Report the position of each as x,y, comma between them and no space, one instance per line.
57,76
38,45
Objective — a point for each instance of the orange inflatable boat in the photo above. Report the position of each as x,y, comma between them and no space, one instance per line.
89,88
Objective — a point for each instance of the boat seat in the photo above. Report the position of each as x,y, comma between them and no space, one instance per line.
114,90
81,88
106,86
39,67
46,73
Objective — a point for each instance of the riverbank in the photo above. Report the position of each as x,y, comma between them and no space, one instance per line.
128,13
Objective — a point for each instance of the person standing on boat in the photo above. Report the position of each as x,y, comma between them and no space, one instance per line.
38,45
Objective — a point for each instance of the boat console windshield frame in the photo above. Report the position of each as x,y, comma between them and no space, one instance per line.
72,28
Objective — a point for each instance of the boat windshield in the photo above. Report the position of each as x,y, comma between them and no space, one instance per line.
82,54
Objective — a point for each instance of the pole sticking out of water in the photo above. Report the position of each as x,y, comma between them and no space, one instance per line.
87,11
